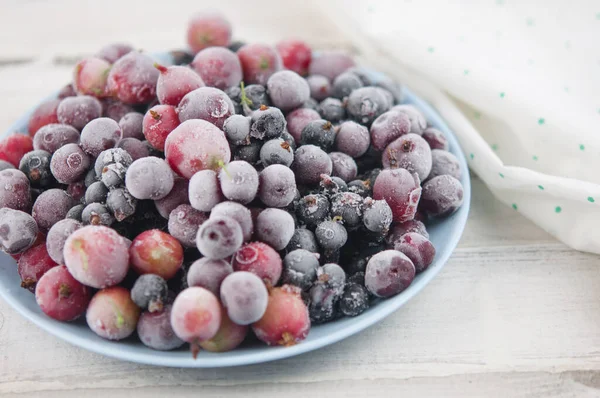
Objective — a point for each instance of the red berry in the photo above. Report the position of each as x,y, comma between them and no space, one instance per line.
219,67
229,336
89,76
260,259
295,55
196,145
298,119
60,296
286,321
44,114
401,190
388,273
158,123
208,30
114,51
259,62
14,147
97,256
178,196
155,331
132,79
206,103
156,252
330,64
32,264
196,316
175,82
416,247
14,190
112,314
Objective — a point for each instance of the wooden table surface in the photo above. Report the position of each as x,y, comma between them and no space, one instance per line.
513,314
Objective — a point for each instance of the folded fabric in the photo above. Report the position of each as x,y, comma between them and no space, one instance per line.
518,83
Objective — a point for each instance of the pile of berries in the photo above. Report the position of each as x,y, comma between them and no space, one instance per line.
244,188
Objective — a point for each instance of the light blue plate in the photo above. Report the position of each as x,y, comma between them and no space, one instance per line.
444,234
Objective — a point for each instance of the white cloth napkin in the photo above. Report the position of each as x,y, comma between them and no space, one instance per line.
519,84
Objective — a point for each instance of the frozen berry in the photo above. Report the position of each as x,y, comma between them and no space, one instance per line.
331,235
121,203
366,104
14,190
97,214
155,331
239,181
60,296
219,237
274,227
361,187
89,76
69,164
277,186
239,213
344,84
115,109
312,209
149,292
196,145
398,230
298,119
377,216
97,256
131,125
99,135
132,79
330,64
78,111
389,273
158,123
320,133
244,296
303,239
417,120
310,162
300,268
329,186
36,166
208,274
417,248
196,315
259,62
249,153
76,190
286,320
112,314
51,207
387,127
248,98
347,207
332,109
219,67
444,163
184,222
295,55
442,195
14,147
267,122
75,212
401,190
276,151
179,195
409,152
149,178
288,90
175,82
352,139
343,166
207,30
229,336
32,264
156,252
237,129
206,103
18,231
260,259
435,138
44,114
53,136
57,236
136,148
205,190
112,52
354,301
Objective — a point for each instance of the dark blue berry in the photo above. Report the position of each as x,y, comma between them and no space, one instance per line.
150,292
354,300
320,133
332,109
312,209
300,268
